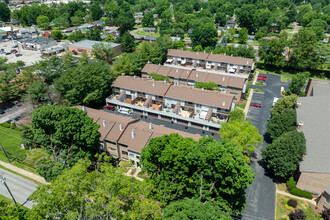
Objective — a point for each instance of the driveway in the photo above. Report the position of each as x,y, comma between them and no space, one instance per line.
260,196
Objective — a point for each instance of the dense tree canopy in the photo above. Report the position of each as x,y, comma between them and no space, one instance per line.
298,82
4,12
282,123
186,209
9,211
204,35
77,195
102,51
284,103
272,52
148,20
285,153
68,133
207,169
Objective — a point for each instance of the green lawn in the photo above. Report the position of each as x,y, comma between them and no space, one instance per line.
4,198
305,206
11,140
242,106
143,33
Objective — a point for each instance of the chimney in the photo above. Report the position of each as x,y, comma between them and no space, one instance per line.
83,108
150,126
247,62
224,103
224,54
196,74
134,76
298,104
197,53
223,79
165,81
300,125
133,134
158,64
148,61
153,84
121,127
104,123
202,89
177,70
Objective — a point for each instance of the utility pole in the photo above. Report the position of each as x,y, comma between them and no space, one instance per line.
3,180
5,152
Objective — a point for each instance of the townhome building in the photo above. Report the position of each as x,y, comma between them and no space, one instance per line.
228,83
175,103
124,137
209,61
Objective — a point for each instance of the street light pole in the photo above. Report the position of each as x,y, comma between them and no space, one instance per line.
3,180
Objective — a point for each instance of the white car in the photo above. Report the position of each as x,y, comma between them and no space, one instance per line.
125,111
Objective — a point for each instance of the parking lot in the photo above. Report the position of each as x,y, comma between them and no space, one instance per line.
28,56
254,113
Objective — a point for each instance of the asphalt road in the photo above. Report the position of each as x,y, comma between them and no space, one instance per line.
14,112
20,188
260,196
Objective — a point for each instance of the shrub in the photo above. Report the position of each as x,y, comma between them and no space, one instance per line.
284,217
284,201
12,125
297,215
293,203
289,207
298,192
6,125
291,184
326,214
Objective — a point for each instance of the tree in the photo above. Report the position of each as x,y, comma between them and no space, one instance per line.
204,35
220,19
243,36
110,38
207,85
128,42
124,65
318,26
37,93
49,69
60,22
287,102
186,209
96,11
285,153
148,20
213,171
272,52
10,210
297,215
246,16
67,133
243,134
86,84
4,12
76,21
43,21
56,35
125,22
298,82
103,51
237,115
94,34
76,195
76,36
282,123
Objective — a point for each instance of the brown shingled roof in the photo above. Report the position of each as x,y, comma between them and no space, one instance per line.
229,59
209,98
150,68
187,54
141,85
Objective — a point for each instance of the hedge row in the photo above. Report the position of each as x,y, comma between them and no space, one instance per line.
291,184
11,126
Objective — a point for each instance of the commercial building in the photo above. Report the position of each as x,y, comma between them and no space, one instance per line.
228,83
124,137
87,46
176,103
37,43
313,118
209,61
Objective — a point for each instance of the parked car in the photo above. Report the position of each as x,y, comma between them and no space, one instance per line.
261,79
13,51
254,104
18,55
125,111
15,46
2,111
263,76
110,107
8,53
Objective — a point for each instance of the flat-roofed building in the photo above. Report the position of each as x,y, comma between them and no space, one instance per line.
228,83
209,61
87,46
177,103
124,137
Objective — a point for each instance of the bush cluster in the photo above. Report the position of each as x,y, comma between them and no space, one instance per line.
9,125
290,184
6,125
293,203
289,207
298,192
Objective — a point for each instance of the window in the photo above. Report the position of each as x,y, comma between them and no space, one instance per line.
131,155
137,157
125,158
124,152
327,199
198,105
113,149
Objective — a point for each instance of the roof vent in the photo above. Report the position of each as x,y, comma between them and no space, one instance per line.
165,81
177,70
224,54
133,134
104,123
300,125
223,79
83,108
196,74
232,55
202,89
150,126
121,127
153,84
223,103
158,64
134,76
197,53
298,104
247,62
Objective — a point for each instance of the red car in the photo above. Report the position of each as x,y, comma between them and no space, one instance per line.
262,76
254,104
262,79
110,107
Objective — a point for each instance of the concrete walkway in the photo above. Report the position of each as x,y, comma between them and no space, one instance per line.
296,197
24,172
248,101
138,170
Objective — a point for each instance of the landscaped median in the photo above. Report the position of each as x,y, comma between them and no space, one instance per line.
21,161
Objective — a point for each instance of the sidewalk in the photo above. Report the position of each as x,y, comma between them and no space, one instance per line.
248,101
296,197
24,172
138,170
